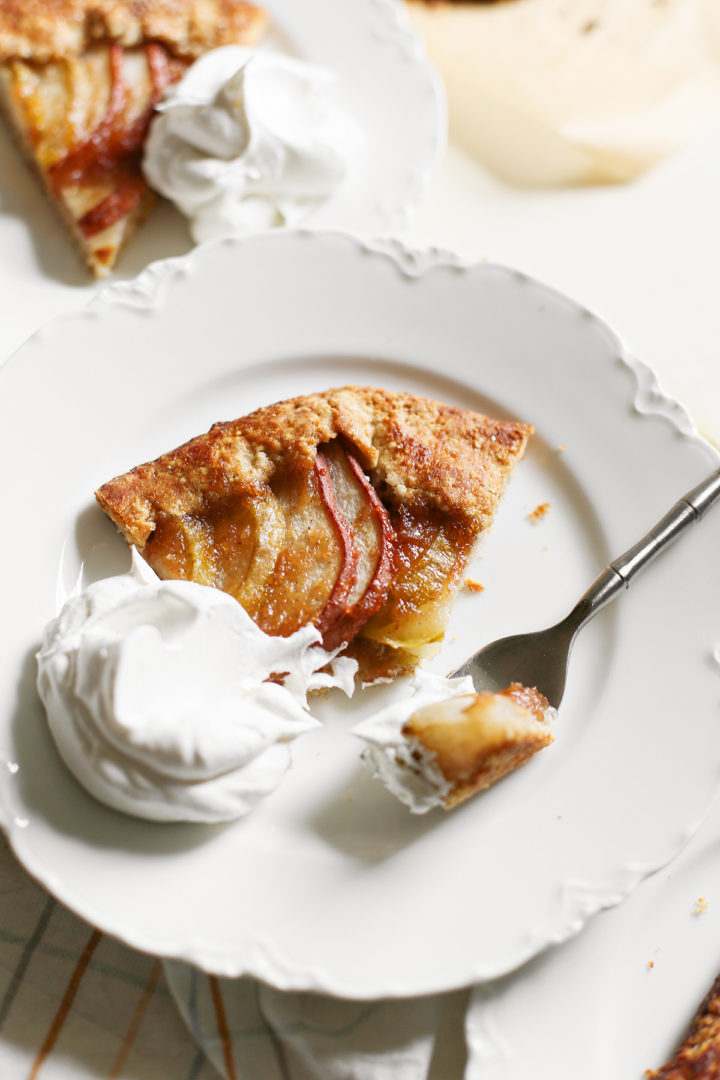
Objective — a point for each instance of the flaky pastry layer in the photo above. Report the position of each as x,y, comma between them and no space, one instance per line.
43,30
418,452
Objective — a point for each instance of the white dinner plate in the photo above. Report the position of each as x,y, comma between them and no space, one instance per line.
383,81
331,884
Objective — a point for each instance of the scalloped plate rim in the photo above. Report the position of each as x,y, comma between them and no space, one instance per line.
262,963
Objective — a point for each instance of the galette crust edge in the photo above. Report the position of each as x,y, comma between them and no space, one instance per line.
45,30
418,451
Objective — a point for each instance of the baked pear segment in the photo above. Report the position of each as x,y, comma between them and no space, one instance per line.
432,553
317,565
476,740
81,123
355,509
373,537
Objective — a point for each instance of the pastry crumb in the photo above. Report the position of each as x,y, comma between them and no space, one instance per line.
651,963
474,586
539,512
701,906
561,448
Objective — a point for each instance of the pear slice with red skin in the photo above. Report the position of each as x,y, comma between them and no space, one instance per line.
317,566
358,503
337,604
317,548
230,544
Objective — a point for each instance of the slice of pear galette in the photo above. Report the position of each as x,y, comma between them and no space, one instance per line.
79,82
356,510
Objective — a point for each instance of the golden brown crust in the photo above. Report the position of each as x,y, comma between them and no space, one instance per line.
699,1056
498,764
43,30
418,453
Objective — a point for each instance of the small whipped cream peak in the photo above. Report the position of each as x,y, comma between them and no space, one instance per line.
159,700
249,140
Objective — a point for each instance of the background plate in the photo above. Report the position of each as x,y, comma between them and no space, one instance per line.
331,884
631,983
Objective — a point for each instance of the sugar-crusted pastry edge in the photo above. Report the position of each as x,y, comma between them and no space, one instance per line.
417,450
43,30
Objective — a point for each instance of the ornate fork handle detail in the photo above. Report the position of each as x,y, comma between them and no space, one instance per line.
688,509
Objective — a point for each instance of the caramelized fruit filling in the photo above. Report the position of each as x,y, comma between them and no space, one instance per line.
431,554
321,548
106,139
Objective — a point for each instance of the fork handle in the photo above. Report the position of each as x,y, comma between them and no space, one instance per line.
617,576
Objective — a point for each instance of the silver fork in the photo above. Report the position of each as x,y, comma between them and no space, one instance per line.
540,659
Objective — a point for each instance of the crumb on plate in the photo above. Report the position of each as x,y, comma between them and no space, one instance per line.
539,512
701,906
474,586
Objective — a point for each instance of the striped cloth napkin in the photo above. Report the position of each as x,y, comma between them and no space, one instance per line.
77,1005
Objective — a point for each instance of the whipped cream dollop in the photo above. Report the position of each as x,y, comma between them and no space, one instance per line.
158,701
406,768
249,140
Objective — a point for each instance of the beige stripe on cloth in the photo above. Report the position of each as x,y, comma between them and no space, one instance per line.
136,1020
66,1004
222,1026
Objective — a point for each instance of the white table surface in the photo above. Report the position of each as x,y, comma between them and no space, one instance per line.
644,257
